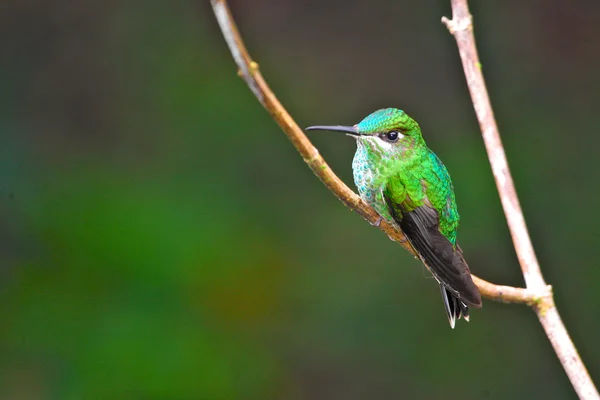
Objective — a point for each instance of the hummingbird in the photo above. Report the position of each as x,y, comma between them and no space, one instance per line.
409,187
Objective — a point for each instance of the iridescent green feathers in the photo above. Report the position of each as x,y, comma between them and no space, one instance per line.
387,119
414,176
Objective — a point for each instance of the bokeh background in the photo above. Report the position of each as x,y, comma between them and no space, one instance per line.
161,239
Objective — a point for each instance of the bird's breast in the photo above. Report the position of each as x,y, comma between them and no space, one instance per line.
364,175
370,183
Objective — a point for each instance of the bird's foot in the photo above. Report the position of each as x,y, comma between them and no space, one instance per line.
376,223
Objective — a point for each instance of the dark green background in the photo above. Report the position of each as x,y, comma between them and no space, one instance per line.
161,239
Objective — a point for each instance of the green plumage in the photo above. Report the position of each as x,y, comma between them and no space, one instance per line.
409,186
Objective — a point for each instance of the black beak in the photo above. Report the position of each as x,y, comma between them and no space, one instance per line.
351,130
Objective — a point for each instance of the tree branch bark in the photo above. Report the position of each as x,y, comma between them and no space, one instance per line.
537,294
461,27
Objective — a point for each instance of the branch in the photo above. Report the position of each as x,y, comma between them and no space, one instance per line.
249,71
461,27
538,294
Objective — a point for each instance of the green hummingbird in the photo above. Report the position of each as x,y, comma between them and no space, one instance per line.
409,186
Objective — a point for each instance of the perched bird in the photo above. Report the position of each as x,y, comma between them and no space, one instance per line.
409,186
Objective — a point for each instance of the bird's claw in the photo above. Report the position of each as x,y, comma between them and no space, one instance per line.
376,223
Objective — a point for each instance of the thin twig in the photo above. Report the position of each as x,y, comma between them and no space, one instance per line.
249,71
509,294
461,27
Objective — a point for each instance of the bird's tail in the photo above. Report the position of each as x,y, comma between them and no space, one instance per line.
455,307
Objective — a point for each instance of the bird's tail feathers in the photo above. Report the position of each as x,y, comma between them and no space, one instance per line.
455,307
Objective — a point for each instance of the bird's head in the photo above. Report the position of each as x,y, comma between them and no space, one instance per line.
388,131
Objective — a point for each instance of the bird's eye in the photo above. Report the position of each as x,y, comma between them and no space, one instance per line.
392,136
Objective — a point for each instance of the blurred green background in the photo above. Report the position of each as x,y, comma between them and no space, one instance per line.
161,239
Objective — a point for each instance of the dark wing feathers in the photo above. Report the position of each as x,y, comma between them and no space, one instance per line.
444,261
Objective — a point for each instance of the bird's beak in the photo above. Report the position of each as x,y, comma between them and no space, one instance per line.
350,130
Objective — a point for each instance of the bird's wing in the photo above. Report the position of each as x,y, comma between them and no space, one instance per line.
421,226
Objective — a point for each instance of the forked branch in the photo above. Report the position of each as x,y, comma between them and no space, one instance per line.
538,294
461,27
249,71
